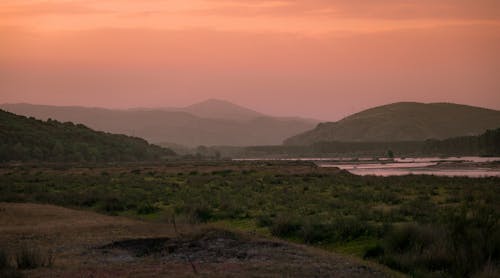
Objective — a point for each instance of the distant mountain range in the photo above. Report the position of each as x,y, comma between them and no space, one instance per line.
28,139
404,121
212,122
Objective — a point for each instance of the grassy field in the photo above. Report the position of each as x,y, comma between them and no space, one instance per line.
420,225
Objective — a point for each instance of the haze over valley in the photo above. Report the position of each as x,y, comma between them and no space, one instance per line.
221,123
212,122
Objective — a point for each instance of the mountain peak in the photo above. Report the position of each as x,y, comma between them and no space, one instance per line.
217,108
212,101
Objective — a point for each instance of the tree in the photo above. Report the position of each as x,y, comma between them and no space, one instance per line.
390,154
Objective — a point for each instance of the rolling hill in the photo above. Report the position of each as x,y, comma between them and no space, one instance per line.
404,121
212,122
220,109
28,139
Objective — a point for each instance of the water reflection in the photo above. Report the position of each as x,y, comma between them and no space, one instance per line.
471,166
455,166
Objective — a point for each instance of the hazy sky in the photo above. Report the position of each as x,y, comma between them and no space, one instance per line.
315,58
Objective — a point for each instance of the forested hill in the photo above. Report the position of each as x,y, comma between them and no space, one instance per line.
404,121
28,139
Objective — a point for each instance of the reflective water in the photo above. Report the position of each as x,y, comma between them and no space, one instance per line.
455,166
451,166
478,159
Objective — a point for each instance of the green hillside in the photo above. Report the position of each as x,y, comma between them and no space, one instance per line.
28,139
404,121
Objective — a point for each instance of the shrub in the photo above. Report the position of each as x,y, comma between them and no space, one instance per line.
6,269
147,208
29,257
313,232
264,221
232,210
412,247
196,212
284,226
202,213
111,204
374,252
402,238
4,259
10,273
411,236
474,236
489,271
348,228
223,173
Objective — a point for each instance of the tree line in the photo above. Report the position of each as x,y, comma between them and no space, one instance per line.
487,144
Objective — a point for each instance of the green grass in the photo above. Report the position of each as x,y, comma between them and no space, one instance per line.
246,225
157,216
357,247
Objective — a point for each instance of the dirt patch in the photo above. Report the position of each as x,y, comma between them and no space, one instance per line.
207,246
140,247
214,250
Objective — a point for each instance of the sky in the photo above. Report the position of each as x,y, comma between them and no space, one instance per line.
322,59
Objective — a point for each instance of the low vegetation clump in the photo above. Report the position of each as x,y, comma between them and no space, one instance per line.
4,259
463,245
31,257
27,257
421,225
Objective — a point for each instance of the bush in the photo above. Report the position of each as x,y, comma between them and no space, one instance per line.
4,259
232,210
374,252
402,238
313,232
349,228
474,236
196,212
147,208
10,273
489,271
413,247
6,269
111,204
264,221
284,227
33,257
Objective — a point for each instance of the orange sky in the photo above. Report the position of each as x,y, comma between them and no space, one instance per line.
313,58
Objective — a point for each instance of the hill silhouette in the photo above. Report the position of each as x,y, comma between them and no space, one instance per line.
28,139
221,109
213,122
404,121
